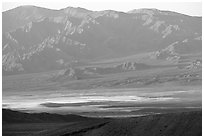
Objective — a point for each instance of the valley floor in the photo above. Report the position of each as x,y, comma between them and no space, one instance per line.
154,101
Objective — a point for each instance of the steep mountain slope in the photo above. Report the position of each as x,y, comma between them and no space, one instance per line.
37,39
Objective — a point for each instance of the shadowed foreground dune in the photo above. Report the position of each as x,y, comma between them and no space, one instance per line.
185,123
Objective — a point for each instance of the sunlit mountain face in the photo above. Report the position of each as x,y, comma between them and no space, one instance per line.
36,39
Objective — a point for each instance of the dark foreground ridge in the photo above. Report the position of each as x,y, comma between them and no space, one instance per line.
10,116
185,123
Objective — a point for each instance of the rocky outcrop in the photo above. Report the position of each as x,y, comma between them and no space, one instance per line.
197,64
168,53
127,66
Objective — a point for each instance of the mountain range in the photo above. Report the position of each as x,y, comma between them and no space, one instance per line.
36,39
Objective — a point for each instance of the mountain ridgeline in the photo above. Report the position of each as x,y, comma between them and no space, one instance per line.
36,39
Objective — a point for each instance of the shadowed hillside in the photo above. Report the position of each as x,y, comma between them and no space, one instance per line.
173,124
17,123
10,116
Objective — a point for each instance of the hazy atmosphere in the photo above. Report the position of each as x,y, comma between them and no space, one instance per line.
101,69
189,8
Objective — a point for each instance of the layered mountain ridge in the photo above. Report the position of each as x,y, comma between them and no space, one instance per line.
37,39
